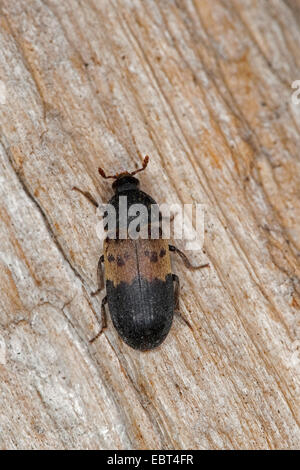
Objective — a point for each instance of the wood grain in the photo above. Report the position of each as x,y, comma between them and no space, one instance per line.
204,88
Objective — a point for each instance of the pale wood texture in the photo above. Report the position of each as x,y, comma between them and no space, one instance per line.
204,88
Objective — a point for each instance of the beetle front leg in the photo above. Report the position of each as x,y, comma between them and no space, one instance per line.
100,277
186,260
87,195
103,319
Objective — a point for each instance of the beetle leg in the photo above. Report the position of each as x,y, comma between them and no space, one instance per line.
100,276
185,259
103,319
87,195
175,279
183,319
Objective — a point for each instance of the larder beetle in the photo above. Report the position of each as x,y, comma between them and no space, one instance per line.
140,290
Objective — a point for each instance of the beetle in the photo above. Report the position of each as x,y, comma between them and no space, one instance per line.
142,293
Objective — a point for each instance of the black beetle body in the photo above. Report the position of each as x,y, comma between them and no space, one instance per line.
139,283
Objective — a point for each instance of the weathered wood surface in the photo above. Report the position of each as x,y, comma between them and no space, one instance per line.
204,88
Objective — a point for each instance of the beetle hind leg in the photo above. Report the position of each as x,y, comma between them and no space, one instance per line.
175,279
103,320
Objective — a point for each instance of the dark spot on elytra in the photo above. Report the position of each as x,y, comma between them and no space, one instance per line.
111,258
126,255
120,261
162,252
153,257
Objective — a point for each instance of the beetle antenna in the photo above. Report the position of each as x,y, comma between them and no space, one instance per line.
117,175
145,163
101,171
